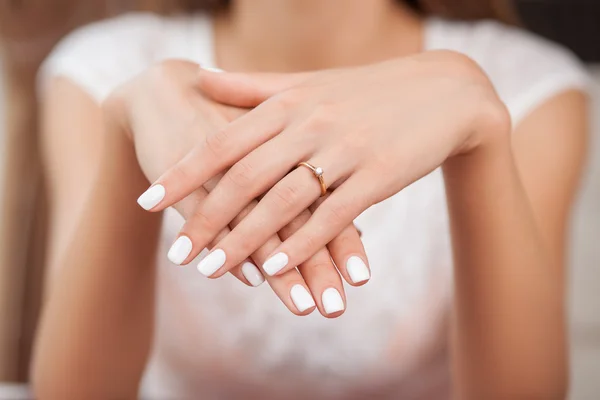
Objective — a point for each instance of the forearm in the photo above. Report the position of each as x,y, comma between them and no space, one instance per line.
96,328
508,336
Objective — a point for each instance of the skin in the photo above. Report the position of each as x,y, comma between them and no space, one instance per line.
508,336
150,126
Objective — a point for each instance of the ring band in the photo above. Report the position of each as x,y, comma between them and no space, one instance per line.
318,173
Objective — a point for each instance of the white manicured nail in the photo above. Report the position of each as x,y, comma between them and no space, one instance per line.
180,250
151,197
213,69
275,264
252,273
332,301
212,262
301,298
357,270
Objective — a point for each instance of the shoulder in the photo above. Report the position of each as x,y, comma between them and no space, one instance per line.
100,56
526,70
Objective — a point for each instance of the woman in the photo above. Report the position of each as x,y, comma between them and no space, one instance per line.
394,110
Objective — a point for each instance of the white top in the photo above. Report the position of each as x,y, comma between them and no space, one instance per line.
220,339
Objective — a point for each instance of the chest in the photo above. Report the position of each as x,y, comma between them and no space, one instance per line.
392,323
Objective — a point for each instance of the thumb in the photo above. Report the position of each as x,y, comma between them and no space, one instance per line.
246,90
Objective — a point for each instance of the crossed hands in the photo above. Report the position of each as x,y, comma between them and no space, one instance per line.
270,170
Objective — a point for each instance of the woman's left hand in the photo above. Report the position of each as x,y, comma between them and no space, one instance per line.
372,130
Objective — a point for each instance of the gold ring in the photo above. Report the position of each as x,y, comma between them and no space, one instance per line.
318,173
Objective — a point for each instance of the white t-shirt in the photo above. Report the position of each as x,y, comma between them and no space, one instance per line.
220,339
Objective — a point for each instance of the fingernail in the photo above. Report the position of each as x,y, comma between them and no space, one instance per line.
212,262
275,264
180,250
301,298
332,301
357,270
252,274
151,197
213,69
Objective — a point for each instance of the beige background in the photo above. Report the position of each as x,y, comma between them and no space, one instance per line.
585,271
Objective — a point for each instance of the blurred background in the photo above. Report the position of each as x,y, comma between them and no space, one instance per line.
29,29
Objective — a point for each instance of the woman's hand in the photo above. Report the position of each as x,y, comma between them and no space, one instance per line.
165,115
373,130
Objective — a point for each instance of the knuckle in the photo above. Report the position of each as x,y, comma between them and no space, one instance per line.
241,246
202,222
321,119
338,213
310,243
217,143
179,173
188,205
285,101
344,241
285,196
242,174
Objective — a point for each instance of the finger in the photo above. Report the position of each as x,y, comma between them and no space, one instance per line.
348,253
183,251
287,199
289,287
246,90
246,180
180,250
217,152
247,272
330,218
320,274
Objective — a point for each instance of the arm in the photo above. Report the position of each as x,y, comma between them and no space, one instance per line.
102,254
508,207
105,245
509,244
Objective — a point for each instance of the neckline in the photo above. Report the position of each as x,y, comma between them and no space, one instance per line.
203,38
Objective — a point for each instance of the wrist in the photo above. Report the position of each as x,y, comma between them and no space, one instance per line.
489,130
489,146
492,124
486,168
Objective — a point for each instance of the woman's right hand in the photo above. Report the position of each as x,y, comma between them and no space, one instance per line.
165,115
